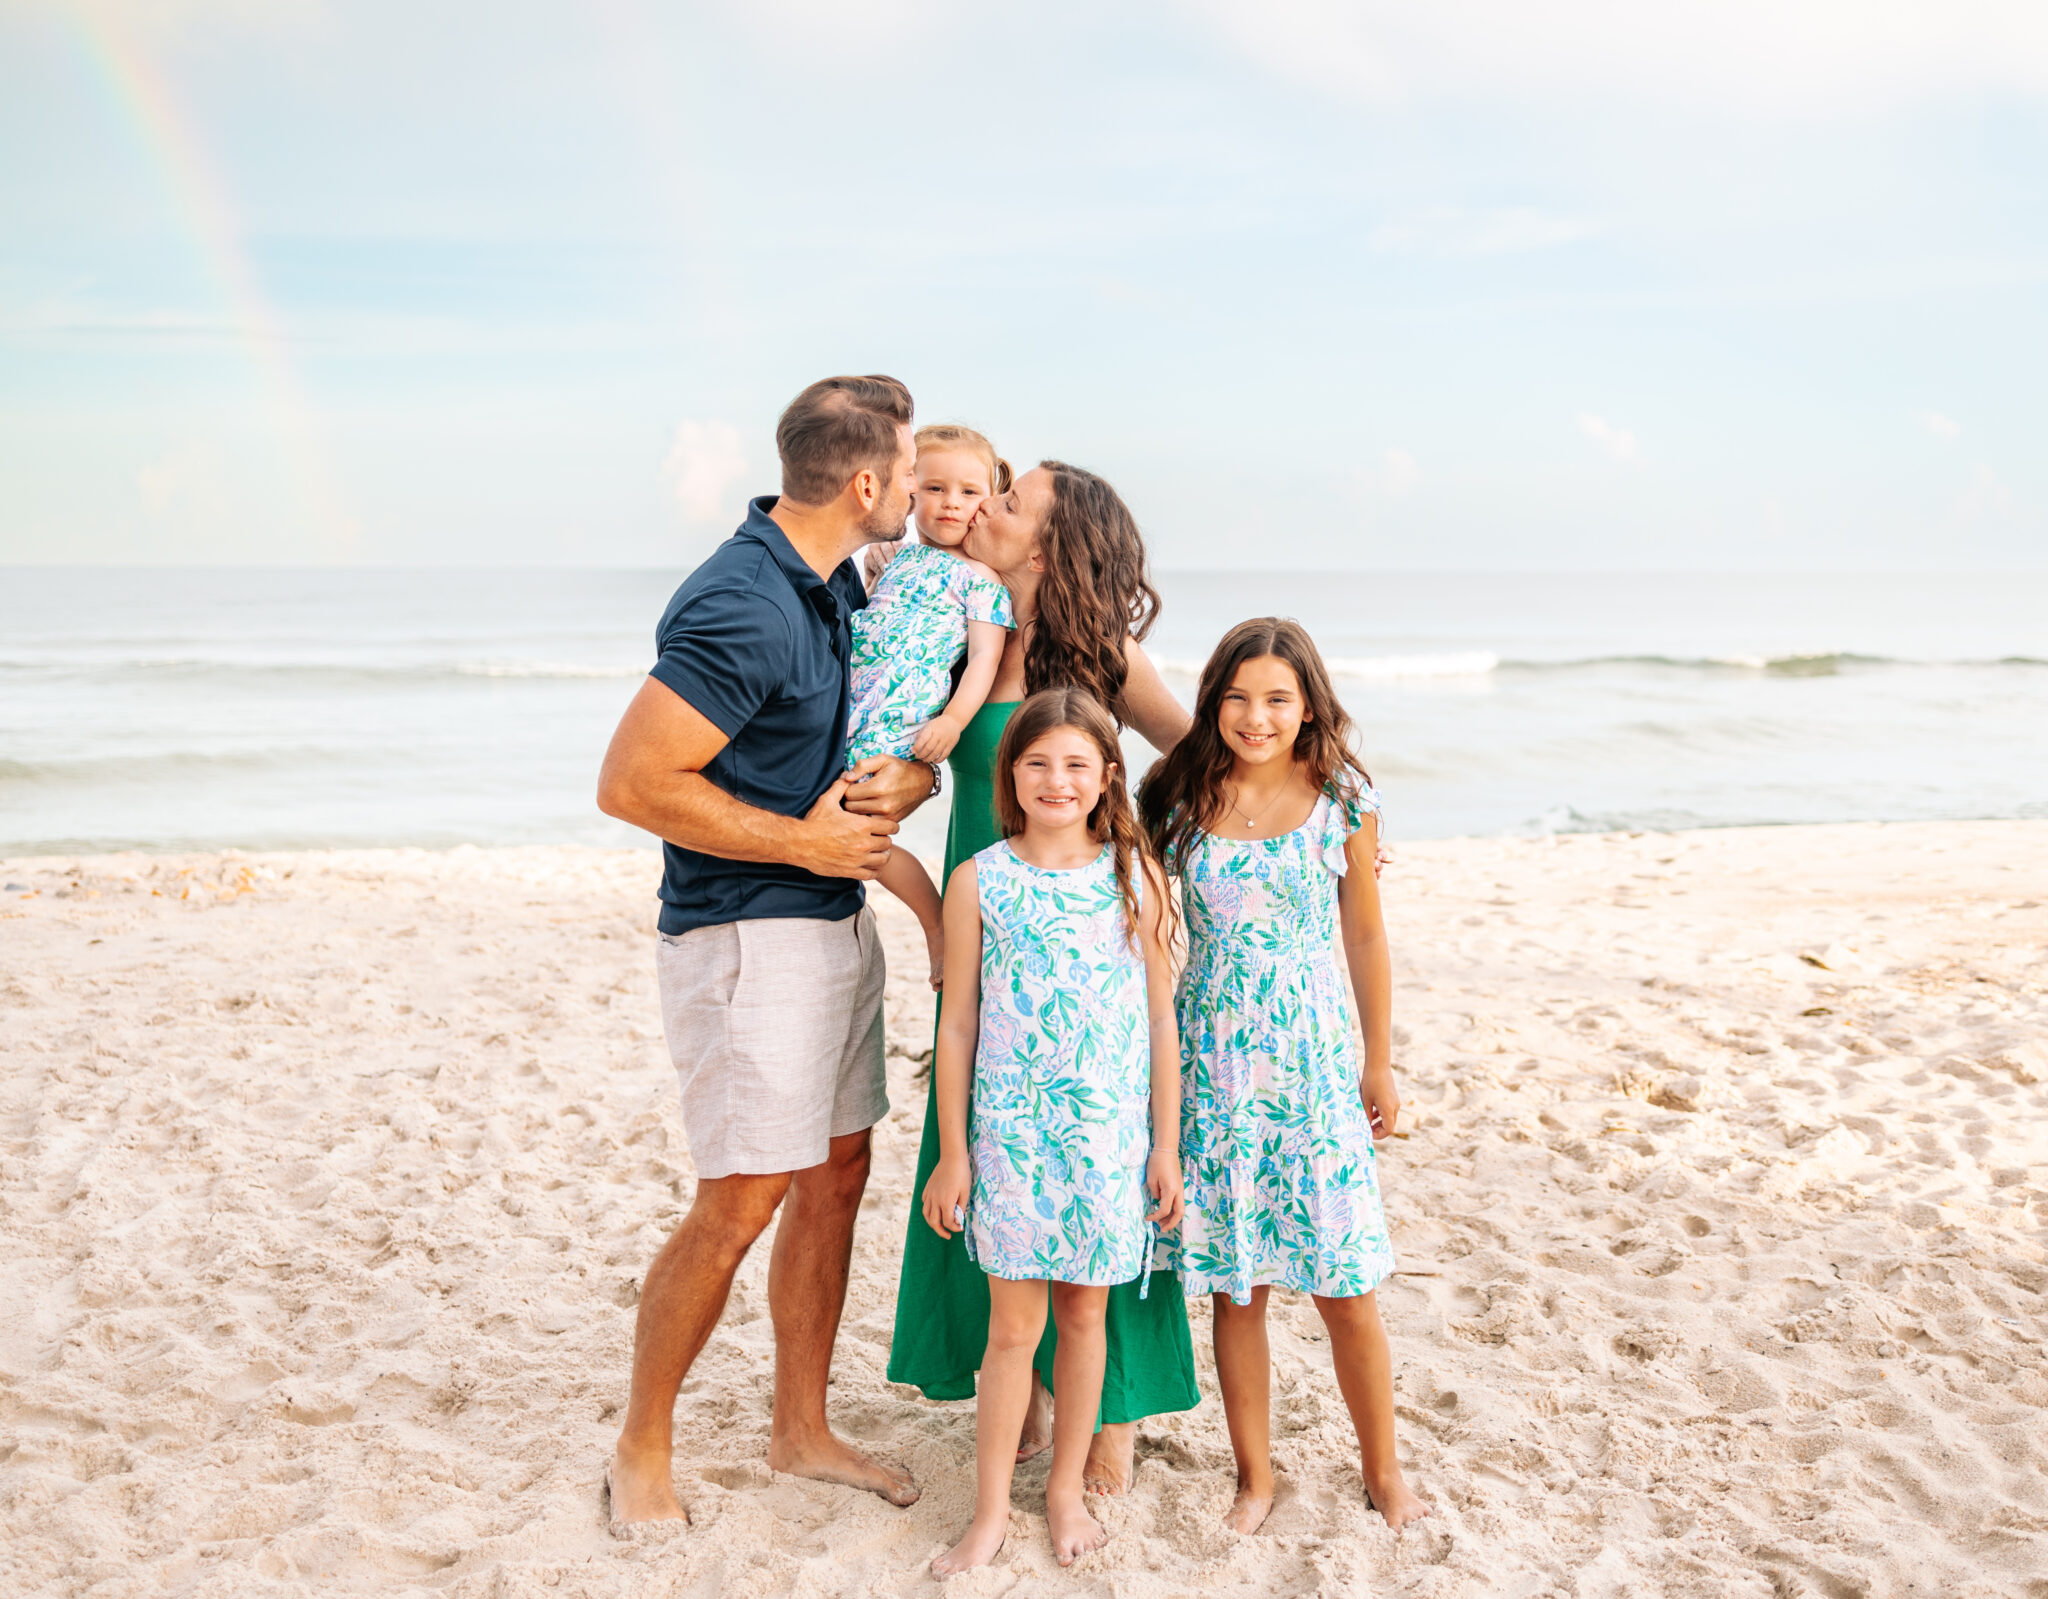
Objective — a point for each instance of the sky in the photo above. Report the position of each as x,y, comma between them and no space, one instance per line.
1482,285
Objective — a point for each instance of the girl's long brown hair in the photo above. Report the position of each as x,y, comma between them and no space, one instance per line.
1095,595
1183,793
1112,821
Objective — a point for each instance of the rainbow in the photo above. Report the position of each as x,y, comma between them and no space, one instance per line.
146,103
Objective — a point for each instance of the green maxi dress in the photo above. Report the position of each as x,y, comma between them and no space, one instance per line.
942,1298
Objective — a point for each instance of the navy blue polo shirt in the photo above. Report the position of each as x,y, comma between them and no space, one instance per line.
760,645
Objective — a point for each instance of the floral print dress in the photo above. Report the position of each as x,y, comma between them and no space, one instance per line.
906,641
1275,1146
1061,1118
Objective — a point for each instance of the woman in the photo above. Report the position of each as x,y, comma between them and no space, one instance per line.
1069,550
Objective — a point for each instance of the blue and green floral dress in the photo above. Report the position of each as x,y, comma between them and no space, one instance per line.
906,642
1061,1125
1275,1146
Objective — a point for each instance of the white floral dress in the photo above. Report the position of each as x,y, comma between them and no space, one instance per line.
1061,1123
906,641
1276,1149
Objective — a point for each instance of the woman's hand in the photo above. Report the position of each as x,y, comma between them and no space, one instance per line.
1162,1182
1382,1103
945,1195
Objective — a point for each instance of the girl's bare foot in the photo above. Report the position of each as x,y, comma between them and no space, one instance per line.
1111,1459
1248,1511
1395,1500
1037,1434
1074,1531
980,1544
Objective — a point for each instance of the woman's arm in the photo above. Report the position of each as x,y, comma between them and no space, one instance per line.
1159,718
1372,973
945,1195
935,740
1162,1170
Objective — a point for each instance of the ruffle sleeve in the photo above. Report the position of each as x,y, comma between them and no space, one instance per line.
985,599
1345,809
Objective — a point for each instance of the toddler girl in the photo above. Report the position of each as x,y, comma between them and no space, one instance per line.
930,606
1271,826
1058,1019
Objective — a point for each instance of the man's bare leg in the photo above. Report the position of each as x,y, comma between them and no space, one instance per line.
680,1303
806,1293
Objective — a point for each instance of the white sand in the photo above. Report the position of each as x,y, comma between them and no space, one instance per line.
324,1194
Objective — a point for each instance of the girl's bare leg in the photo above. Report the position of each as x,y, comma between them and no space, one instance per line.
1244,1371
1077,1386
1016,1318
1365,1375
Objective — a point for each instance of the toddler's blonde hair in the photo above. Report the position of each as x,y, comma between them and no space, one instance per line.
951,435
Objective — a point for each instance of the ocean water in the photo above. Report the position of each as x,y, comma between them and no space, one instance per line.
268,709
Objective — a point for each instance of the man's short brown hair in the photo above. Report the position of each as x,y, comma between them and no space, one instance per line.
835,428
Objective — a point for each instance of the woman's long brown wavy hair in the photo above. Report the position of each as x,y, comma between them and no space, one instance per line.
1095,595
1183,793
1112,821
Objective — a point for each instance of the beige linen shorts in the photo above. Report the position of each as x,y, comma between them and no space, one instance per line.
775,1028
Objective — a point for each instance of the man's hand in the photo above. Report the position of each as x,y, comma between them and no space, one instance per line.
935,740
836,843
883,786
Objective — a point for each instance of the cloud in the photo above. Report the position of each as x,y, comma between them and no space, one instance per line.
1798,59
1617,442
1402,474
705,465
1450,230
1940,426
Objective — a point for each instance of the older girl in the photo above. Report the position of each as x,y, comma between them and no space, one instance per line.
1271,825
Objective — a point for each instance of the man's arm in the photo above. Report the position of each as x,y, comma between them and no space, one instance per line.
653,778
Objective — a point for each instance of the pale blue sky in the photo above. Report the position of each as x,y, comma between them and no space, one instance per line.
1488,284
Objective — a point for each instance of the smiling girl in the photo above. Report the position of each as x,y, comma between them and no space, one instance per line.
1058,1025
1271,825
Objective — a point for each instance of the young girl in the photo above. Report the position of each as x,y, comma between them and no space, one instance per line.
1058,1017
1271,826
930,606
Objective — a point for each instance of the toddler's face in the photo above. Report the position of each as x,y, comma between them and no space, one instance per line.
951,484
1059,779
1262,711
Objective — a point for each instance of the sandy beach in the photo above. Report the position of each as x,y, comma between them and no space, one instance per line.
327,1180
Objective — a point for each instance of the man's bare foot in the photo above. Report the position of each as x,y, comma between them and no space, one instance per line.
640,1492
1248,1511
1111,1459
978,1545
1037,1434
1395,1500
1074,1531
830,1458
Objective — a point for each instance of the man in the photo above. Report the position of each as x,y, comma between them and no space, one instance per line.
769,965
